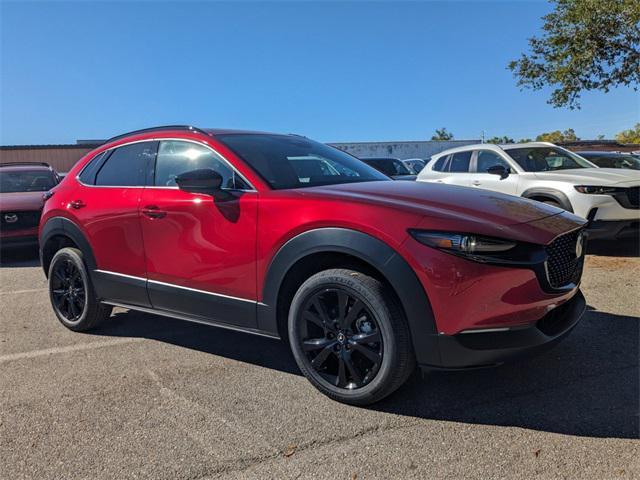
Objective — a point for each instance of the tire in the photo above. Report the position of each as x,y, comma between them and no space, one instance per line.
553,203
356,354
71,292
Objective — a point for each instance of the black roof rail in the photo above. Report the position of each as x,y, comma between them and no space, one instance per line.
157,129
14,164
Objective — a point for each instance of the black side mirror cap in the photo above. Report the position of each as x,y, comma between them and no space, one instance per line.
499,170
204,180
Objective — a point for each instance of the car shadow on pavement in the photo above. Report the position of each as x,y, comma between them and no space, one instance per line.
629,247
588,385
19,257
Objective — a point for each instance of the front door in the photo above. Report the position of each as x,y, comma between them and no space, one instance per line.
485,159
200,250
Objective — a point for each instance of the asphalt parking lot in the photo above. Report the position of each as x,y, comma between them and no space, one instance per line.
149,397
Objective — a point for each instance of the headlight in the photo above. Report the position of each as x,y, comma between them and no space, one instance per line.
461,243
593,189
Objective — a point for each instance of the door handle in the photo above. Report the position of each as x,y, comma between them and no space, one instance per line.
152,211
476,182
77,204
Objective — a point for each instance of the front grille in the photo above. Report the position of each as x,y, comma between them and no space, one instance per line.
19,220
563,266
632,195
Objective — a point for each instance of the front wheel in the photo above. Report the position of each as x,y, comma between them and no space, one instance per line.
349,336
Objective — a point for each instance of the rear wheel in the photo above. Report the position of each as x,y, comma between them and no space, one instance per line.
349,336
71,292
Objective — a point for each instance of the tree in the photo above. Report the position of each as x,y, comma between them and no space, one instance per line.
557,136
442,135
585,45
500,140
629,136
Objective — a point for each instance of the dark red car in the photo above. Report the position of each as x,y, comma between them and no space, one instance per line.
281,236
22,186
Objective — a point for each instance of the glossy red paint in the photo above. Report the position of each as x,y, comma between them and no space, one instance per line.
227,249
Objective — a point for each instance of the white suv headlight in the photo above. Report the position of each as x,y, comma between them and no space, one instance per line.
596,190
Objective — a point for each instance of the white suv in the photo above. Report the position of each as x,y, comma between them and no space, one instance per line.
542,171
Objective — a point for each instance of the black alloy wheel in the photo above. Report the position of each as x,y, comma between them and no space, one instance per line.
71,292
68,290
341,338
349,336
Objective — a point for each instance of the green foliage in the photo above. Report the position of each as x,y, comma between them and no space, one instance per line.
629,136
585,45
557,136
500,140
442,135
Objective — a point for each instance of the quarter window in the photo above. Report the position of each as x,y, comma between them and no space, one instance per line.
176,157
439,165
126,166
88,174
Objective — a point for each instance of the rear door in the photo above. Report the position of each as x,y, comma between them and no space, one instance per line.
200,250
106,207
485,159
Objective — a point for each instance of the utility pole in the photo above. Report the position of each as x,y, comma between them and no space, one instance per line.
482,137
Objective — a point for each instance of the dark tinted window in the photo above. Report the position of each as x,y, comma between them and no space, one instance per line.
176,157
439,165
26,181
613,160
288,161
88,174
388,166
127,165
487,159
460,162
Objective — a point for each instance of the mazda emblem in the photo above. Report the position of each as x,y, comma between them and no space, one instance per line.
11,218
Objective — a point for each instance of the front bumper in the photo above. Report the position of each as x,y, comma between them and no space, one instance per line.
484,349
19,238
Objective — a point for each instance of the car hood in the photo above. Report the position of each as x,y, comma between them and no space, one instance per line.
441,201
21,201
592,176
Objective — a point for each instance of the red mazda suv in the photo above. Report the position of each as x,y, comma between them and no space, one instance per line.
22,185
284,237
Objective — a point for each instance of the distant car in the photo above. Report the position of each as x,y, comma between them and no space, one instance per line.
414,164
542,171
22,186
392,167
612,159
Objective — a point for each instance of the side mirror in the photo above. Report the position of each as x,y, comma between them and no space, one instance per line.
499,170
204,180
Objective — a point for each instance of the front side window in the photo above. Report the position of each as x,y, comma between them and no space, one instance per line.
288,161
176,157
546,159
126,166
26,181
487,159
460,162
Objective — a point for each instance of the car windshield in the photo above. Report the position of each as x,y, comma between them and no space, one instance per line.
26,181
546,159
388,166
288,161
614,160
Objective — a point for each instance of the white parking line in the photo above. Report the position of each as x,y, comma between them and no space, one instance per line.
68,349
33,290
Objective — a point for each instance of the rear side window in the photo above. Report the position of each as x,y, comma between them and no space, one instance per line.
439,165
176,157
127,165
460,162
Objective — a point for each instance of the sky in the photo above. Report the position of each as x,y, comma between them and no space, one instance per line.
333,71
